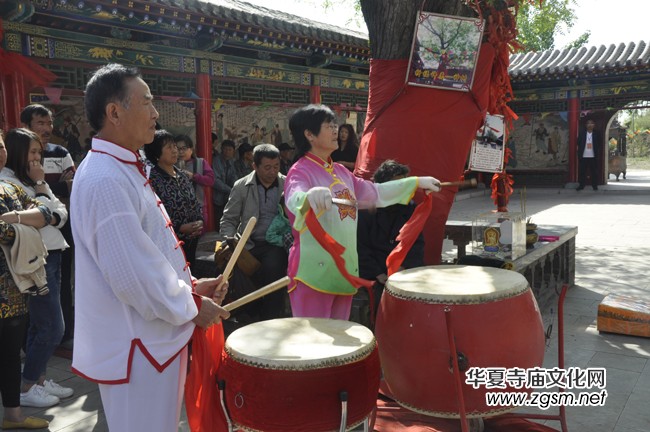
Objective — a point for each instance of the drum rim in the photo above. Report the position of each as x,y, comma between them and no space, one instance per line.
479,298
301,365
347,427
261,362
455,415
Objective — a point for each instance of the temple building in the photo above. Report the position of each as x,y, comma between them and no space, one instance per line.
238,70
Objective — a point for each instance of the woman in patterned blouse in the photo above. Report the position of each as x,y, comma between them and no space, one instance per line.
15,207
197,169
176,191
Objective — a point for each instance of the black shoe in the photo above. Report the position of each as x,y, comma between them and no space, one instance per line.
579,188
595,187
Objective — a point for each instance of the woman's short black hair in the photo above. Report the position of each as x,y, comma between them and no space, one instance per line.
186,140
388,170
17,143
308,118
154,150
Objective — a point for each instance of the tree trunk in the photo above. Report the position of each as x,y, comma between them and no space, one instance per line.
436,125
391,23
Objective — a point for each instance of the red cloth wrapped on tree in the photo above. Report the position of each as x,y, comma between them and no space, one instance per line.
428,129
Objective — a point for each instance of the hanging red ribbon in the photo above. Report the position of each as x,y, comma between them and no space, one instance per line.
202,401
335,249
408,234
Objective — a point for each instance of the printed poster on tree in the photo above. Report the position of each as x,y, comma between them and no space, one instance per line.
487,150
445,51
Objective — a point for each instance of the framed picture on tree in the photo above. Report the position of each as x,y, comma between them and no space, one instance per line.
487,150
445,51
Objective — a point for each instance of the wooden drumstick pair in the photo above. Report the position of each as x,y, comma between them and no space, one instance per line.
230,266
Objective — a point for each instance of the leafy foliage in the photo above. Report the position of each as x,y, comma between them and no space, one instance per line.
453,39
637,123
539,26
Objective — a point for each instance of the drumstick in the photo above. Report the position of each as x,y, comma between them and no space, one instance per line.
345,202
240,246
268,289
470,182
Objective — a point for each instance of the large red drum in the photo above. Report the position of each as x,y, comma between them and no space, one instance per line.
495,321
288,374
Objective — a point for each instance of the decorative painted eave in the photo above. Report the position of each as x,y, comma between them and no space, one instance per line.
580,62
212,24
243,12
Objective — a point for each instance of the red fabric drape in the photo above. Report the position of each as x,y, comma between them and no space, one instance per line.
14,63
431,130
408,234
202,401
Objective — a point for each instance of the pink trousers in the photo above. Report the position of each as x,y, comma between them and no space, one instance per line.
309,303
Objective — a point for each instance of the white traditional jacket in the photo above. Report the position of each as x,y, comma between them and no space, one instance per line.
133,288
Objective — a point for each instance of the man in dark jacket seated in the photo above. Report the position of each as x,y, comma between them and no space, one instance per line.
377,232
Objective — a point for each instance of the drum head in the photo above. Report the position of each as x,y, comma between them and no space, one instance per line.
300,343
455,284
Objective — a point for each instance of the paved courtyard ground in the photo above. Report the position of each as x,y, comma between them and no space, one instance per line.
612,250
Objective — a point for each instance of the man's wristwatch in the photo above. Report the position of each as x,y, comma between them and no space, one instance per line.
40,182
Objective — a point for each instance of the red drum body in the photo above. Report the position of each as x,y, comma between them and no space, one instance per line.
288,374
495,321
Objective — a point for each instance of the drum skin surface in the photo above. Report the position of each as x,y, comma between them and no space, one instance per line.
287,374
494,318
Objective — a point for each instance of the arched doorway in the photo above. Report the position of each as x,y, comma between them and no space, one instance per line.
628,136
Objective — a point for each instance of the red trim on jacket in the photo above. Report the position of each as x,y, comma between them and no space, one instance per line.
135,342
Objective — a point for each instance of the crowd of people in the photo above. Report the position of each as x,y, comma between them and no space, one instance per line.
136,212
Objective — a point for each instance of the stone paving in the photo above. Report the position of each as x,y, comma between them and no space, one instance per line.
612,250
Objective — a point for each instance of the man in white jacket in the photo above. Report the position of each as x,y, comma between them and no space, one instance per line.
136,301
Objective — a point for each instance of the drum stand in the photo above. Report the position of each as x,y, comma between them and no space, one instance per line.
343,396
465,424
561,416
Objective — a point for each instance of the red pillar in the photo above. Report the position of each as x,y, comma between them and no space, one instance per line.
14,99
204,136
314,94
574,119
